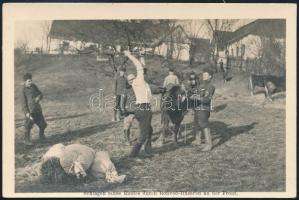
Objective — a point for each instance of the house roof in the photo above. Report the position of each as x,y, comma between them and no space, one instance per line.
223,35
106,31
85,30
262,27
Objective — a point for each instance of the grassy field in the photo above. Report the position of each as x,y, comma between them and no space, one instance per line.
248,133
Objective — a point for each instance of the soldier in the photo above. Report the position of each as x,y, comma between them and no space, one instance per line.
221,65
31,96
129,108
200,97
120,90
171,78
143,113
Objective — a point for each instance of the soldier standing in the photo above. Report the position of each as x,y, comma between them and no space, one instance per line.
31,96
201,96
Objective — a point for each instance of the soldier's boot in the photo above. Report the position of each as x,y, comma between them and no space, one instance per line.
114,116
127,136
180,134
117,116
208,137
42,136
161,139
27,138
176,134
135,150
148,147
197,140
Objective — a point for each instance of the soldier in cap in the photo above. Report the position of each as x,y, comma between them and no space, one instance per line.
31,97
201,97
143,113
119,91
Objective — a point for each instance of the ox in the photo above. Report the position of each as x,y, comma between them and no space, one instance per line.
173,109
271,84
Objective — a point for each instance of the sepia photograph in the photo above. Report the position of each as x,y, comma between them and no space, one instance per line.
176,105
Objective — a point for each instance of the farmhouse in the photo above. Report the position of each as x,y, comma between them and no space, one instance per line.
103,33
73,36
248,41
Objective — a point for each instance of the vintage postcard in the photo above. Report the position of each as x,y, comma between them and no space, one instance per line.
149,100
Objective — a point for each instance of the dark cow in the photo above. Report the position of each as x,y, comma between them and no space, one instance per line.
271,84
173,108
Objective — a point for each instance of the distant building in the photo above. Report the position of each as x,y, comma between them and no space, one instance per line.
247,41
74,36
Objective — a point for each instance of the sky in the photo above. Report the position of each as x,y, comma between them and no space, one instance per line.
32,31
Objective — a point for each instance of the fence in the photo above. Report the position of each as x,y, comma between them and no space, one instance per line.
256,66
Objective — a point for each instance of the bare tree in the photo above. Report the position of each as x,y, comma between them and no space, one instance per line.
46,28
23,44
217,29
194,29
266,55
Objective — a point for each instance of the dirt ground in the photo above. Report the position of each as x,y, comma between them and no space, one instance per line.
248,135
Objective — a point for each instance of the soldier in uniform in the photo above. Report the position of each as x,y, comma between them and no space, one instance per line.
31,97
119,91
200,96
143,113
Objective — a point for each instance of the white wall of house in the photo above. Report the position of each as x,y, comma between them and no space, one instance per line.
251,45
55,46
73,46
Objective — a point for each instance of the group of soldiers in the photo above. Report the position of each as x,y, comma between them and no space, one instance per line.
133,97
133,101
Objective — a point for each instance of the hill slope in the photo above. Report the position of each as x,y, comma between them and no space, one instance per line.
248,133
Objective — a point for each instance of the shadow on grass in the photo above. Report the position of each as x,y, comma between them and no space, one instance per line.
259,91
171,146
277,96
66,117
221,133
64,137
48,119
219,108
224,133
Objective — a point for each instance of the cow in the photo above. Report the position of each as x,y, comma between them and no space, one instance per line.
173,109
271,84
